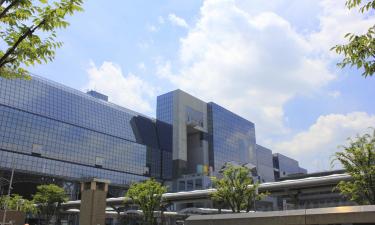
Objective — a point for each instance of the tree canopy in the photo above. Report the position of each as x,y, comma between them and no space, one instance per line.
148,196
360,49
48,199
28,32
236,188
17,202
358,159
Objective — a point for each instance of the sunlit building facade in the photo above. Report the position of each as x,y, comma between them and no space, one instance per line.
50,130
206,136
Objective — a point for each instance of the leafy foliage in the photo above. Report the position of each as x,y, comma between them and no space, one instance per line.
358,159
28,32
369,4
48,199
236,189
148,196
16,202
360,49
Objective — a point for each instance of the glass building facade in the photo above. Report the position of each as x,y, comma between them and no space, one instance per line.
232,138
48,129
164,107
53,130
284,166
206,136
265,166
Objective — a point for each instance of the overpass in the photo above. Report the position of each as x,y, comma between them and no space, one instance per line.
281,188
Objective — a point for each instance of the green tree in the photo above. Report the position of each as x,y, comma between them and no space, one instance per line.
28,31
360,49
48,199
148,196
236,188
358,159
17,202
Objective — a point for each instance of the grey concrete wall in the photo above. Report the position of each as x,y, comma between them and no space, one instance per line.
195,152
334,215
180,101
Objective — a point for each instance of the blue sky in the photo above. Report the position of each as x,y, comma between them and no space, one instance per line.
267,61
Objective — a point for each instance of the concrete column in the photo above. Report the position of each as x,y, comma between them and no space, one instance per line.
93,202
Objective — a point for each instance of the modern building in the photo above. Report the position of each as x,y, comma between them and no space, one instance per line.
285,166
52,132
205,137
265,166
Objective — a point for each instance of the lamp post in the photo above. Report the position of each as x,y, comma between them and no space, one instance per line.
9,189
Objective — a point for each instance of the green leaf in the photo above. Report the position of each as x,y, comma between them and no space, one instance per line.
29,32
236,189
148,196
360,49
358,159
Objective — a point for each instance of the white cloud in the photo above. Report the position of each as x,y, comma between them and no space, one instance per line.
253,61
155,28
177,21
336,21
141,66
152,28
250,63
161,20
126,90
314,147
145,44
334,94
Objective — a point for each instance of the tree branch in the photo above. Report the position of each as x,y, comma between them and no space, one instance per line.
29,31
8,61
11,5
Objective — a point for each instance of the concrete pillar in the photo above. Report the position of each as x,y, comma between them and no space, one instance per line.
93,202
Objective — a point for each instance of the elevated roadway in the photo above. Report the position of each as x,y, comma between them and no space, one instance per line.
280,188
